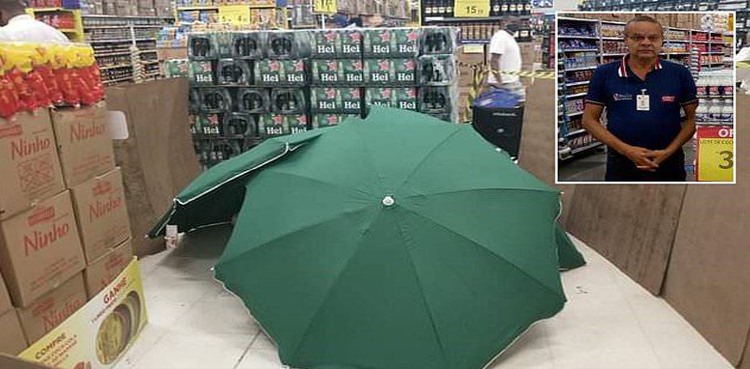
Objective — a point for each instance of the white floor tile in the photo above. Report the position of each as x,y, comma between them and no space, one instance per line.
180,351
609,322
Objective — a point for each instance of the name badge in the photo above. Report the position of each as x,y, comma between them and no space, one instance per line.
642,101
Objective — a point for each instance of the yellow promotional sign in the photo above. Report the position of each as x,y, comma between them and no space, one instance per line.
471,8
97,335
473,49
234,14
715,160
325,6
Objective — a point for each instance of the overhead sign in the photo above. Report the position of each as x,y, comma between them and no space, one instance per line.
471,8
325,6
234,14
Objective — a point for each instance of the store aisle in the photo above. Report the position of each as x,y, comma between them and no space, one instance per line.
609,321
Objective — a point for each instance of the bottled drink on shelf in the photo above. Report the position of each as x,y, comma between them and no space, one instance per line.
701,113
427,4
441,8
449,9
504,7
527,8
512,7
495,11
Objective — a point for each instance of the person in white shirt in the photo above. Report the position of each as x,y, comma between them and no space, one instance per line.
19,26
505,56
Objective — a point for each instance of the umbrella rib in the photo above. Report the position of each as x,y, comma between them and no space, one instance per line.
482,189
427,156
401,231
333,285
487,250
303,228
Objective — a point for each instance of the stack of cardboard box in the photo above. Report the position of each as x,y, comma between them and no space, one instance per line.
64,230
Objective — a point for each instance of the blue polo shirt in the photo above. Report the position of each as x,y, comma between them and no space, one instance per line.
669,87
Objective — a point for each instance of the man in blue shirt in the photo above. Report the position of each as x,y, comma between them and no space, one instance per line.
643,96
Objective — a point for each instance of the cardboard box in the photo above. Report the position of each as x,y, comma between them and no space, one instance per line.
28,162
8,361
46,313
84,143
40,249
5,303
104,270
12,340
102,215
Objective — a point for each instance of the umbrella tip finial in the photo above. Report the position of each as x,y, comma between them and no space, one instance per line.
388,201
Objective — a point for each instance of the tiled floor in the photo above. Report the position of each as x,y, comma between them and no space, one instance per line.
608,322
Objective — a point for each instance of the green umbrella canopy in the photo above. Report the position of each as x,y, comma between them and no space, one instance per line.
395,242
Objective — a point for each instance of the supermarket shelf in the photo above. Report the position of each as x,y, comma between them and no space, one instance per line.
614,54
577,83
116,66
699,42
49,10
578,50
474,42
148,51
127,16
578,69
216,7
584,148
579,37
112,54
151,62
117,80
576,132
612,38
122,26
118,41
575,114
482,19
713,53
576,95
678,53
578,20
681,41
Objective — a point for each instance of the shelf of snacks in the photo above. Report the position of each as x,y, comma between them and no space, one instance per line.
67,21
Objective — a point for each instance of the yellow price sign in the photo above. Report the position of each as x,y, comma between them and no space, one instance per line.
715,160
471,8
325,6
234,14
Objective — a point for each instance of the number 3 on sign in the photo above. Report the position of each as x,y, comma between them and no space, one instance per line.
715,159
472,8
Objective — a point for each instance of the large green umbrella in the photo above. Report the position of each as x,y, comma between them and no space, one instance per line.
395,242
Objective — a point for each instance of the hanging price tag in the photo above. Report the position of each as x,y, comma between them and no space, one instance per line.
234,14
325,6
471,8
715,160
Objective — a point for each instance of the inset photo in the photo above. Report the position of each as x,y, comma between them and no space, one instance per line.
645,97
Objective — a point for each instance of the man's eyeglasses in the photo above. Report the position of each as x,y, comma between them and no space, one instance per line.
640,38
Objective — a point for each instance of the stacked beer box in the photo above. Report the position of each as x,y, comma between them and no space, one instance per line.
249,86
245,87
64,230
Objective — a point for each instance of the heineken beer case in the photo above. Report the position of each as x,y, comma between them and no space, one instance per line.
392,97
437,70
239,124
234,72
335,100
353,71
274,73
329,120
253,101
201,73
438,40
391,42
223,42
201,47
206,124
334,44
287,44
288,101
215,100
248,45
379,72
326,72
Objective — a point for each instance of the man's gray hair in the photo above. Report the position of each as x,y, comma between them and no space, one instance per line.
643,18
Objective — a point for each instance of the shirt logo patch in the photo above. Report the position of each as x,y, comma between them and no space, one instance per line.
622,97
667,99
